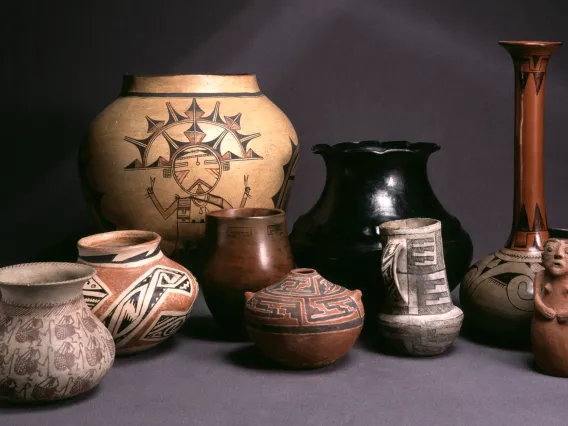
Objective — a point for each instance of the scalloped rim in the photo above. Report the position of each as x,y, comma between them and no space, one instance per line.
379,147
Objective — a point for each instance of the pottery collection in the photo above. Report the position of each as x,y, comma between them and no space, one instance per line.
418,316
51,346
139,294
549,328
303,320
245,250
369,183
171,149
199,169
497,292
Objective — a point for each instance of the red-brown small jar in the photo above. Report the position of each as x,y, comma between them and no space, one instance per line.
304,321
244,250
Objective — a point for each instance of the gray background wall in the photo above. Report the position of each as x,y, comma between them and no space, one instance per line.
341,70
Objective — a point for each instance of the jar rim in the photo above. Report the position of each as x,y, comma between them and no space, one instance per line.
378,147
245,213
45,274
119,241
143,75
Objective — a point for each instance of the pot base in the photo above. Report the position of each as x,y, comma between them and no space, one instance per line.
420,335
305,351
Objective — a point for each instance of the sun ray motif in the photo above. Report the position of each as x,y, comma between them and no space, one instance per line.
193,116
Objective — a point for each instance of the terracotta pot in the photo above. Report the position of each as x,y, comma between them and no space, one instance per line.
51,345
246,250
139,294
304,321
418,316
171,149
497,292
369,183
549,331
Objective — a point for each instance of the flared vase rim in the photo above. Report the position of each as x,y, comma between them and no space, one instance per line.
529,43
378,147
246,213
46,274
201,75
108,241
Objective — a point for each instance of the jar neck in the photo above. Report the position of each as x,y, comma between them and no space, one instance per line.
120,249
41,295
190,84
228,230
529,228
388,170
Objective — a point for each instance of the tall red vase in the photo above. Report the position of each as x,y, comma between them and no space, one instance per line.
497,292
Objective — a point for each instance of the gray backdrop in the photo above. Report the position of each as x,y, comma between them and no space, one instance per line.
341,70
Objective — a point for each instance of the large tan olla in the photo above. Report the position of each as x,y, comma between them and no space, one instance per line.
171,149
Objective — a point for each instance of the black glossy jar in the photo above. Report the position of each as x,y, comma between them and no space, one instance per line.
369,183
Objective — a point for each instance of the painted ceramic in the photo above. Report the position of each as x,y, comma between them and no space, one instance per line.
497,292
369,183
51,346
304,321
171,149
139,294
245,250
418,316
549,330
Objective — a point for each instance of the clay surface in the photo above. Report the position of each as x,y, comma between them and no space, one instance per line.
245,250
497,292
369,183
304,321
418,316
171,149
140,295
549,330
51,346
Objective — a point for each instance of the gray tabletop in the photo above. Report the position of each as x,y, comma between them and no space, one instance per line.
198,379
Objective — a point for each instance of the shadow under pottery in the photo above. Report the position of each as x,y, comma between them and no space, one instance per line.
475,335
155,352
251,358
206,328
27,406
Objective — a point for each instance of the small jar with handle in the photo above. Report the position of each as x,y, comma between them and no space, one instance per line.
418,316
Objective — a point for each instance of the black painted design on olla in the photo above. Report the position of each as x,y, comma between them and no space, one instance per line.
136,303
200,149
165,326
306,288
299,306
538,223
433,297
109,258
532,65
95,293
388,270
525,235
280,199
